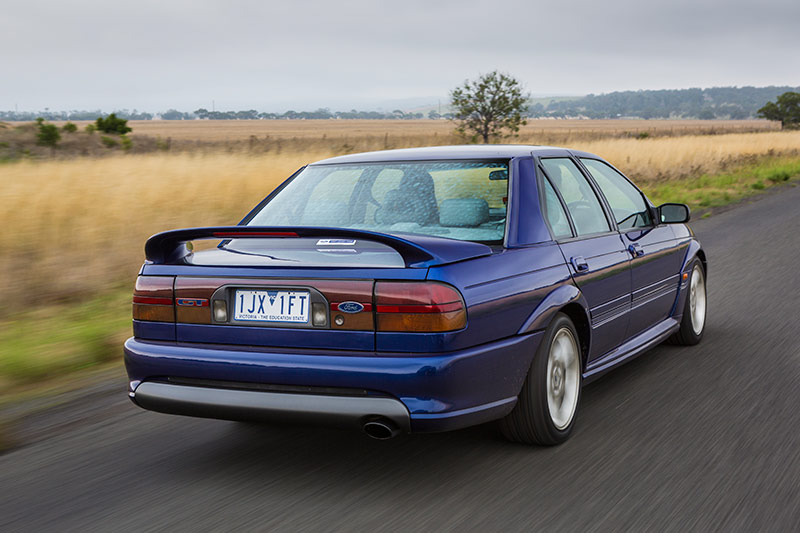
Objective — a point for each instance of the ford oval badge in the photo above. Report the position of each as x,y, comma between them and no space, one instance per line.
350,307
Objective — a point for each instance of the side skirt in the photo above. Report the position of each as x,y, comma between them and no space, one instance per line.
630,349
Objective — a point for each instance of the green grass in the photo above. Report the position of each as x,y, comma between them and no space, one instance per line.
708,191
54,341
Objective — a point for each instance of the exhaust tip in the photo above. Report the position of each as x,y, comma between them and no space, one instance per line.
381,429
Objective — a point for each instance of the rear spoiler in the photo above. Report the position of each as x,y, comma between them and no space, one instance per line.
418,251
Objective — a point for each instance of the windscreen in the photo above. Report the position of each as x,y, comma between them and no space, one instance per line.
463,200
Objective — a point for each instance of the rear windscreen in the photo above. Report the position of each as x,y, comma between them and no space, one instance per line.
463,200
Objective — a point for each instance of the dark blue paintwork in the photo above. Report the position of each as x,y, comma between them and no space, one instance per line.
419,251
623,302
442,391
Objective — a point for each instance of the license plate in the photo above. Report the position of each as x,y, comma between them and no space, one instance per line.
272,306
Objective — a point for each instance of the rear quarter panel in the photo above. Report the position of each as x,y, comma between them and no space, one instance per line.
501,292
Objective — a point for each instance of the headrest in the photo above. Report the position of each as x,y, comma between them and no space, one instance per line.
463,212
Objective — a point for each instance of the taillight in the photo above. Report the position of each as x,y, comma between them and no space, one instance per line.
418,306
153,300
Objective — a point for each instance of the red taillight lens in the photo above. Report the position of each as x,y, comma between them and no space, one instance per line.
153,300
420,307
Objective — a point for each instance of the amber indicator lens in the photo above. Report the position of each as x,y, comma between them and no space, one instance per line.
419,307
153,300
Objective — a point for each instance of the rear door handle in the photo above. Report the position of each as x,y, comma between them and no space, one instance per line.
579,263
636,249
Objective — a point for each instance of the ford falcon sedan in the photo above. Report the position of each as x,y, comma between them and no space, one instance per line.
417,290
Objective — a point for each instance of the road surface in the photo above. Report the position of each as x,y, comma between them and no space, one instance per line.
701,438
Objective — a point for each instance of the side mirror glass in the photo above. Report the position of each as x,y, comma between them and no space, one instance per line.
673,213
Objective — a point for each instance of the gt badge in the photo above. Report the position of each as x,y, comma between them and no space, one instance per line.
192,302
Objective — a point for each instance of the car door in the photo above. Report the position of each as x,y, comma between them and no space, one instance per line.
656,255
598,260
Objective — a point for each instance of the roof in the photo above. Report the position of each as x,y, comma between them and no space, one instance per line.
471,151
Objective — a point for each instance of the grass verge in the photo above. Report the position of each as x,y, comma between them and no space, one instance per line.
53,342
717,190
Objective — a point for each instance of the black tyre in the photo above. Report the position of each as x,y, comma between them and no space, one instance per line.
546,407
693,322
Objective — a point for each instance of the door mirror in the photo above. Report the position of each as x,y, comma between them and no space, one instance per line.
673,213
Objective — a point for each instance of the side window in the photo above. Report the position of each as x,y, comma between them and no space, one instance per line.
626,202
554,212
582,203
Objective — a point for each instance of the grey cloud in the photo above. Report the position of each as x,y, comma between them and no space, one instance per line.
305,54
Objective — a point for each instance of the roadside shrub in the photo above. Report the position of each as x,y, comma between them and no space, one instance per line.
108,142
779,176
759,185
113,124
48,135
643,135
162,144
126,142
90,129
69,127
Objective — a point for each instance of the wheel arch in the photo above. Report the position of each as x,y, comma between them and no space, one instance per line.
701,254
695,250
567,299
579,317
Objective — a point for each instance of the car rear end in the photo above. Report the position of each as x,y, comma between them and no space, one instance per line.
328,325
375,346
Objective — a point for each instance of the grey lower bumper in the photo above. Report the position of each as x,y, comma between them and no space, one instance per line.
231,404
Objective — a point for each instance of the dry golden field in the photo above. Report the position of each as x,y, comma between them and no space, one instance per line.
237,130
348,136
78,226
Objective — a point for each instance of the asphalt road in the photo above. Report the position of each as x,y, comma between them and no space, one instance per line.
701,438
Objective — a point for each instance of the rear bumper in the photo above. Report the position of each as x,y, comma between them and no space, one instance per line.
437,392
268,406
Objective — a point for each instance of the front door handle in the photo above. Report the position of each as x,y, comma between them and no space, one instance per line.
579,263
636,249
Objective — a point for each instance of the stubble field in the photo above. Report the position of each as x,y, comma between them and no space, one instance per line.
233,130
256,137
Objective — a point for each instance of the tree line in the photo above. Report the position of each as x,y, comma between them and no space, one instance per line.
713,103
493,106
205,114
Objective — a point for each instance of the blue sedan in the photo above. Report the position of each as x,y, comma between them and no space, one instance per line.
417,290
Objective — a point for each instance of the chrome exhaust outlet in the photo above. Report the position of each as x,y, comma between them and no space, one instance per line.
381,429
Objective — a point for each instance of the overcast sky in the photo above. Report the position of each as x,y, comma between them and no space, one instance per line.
273,56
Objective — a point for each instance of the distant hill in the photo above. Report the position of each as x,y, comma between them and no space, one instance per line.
716,102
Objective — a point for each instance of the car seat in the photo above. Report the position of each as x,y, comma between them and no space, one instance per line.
413,201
